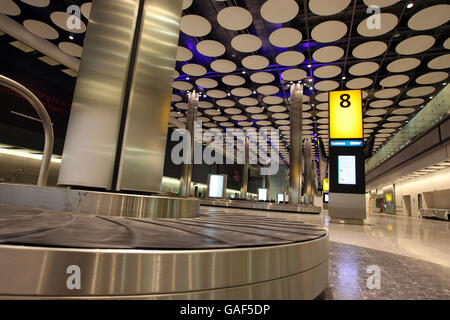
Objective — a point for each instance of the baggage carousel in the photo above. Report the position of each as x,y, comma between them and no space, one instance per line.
60,255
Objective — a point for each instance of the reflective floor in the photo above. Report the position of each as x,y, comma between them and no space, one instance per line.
412,256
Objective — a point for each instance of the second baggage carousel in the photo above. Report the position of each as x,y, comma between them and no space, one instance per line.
218,255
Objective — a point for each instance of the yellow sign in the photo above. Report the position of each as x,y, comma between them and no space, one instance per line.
346,120
326,185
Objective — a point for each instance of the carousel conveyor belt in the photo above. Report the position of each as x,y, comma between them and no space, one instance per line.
216,255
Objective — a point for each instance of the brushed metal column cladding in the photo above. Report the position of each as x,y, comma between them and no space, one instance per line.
143,152
93,130
295,161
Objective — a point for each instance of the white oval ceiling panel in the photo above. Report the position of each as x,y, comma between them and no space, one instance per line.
411,102
447,44
38,3
397,118
369,50
290,58
268,90
255,62
326,72
217,94
225,103
381,103
328,54
207,83
184,54
182,105
213,112
205,104
233,80
246,43
176,98
402,111
241,92
9,8
86,9
194,69
223,66
329,31
248,101
254,110
262,77
394,81
195,25
387,93
259,116
430,17
326,85
234,18
273,100
372,119
322,97
71,48
415,45
233,111
186,4
359,83
277,109
403,65
41,29
420,91
61,20
375,112
441,62
380,3
280,116
293,74
364,68
392,125
211,48
368,27
327,7
322,106
432,77
285,37
279,11
182,85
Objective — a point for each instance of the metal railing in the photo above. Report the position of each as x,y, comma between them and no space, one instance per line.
46,123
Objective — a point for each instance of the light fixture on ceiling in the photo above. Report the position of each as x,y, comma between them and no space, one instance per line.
71,37
243,72
187,78
410,5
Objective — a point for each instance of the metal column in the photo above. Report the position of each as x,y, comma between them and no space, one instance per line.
118,125
309,192
191,116
244,187
295,165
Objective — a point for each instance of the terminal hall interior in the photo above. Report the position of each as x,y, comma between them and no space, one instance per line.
225,149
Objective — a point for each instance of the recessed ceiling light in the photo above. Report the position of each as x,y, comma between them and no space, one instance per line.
410,5
71,37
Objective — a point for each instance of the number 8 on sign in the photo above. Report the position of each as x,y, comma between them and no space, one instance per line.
345,101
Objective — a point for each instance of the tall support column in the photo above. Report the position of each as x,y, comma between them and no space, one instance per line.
118,125
323,169
309,191
191,116
295,158
244,187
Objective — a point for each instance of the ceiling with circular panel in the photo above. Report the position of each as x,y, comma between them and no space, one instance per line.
243,55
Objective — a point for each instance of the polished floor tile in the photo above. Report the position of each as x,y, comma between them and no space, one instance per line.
412,256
